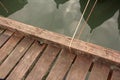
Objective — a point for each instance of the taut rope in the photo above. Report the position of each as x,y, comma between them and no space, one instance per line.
4,6
82,28
77,27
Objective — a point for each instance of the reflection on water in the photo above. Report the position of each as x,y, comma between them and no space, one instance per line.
58,2
8,7
119,20
62,16
102,11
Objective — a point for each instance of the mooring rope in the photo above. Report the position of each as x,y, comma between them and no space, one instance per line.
77,27
83,26
4,6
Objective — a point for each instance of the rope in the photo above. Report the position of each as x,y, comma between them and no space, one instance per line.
77,27
81,30
3,6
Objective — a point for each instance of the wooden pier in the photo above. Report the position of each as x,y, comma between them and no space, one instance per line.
30,53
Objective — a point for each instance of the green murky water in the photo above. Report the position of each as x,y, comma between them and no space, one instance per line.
62,16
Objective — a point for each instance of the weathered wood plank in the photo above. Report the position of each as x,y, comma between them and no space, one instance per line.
5,36
14,57
1,31
79,69
9,46
43,63
61,66
26,62
99,72
116,75
54,38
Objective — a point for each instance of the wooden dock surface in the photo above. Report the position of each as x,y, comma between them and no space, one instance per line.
62,41
30,53
25,58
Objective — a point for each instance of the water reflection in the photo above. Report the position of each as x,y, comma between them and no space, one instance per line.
58,2
104,10
119,20
8,7
62,16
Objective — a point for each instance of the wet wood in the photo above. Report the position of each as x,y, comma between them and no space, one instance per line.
42,66
99,72
5,36
61,40
14,57
79,69
9,46
61,66
116,75
26,62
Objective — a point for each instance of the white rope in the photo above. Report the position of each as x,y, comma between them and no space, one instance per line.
4,6
83,26
77,27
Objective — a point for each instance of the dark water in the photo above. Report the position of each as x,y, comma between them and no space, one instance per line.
62,16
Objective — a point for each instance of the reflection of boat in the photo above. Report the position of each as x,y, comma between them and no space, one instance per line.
8,7
23,57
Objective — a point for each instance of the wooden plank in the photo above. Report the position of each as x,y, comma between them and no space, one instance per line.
1,31
14,57
43,63
61,66
9,46
61,40
21,69
79,69
5,36
99,72
116,75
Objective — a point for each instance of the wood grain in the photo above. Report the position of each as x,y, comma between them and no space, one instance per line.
116,75
5,36
61,66
26,62
79,69
1,31
14,57
9,46
99,72
43,63
61,40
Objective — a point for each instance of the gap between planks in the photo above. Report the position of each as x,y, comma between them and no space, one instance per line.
9,46
61,66
22,68
5,36
61,40
99,72
11,61
115,75
42,66
79,68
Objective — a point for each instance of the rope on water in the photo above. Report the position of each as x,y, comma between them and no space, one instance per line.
83,26
4,6
77,27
